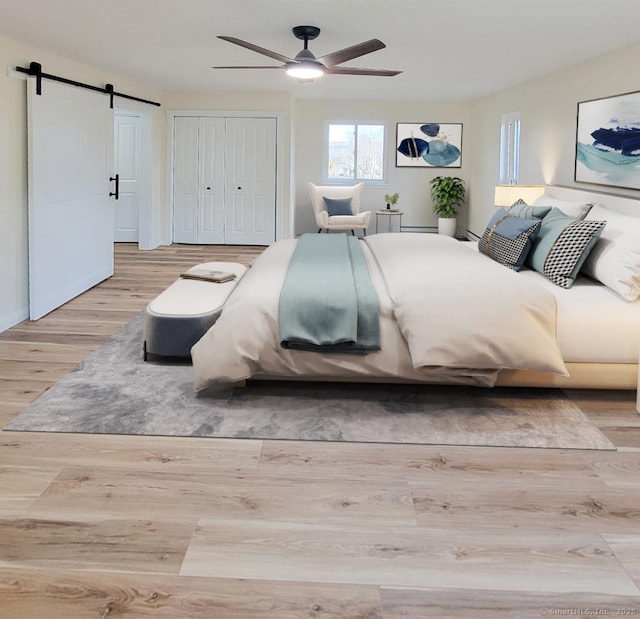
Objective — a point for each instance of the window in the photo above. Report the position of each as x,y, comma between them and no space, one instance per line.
355,152
510,148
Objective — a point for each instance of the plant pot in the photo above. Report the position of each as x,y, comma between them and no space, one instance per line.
447,226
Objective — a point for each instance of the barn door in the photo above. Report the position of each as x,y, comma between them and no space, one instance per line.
70,132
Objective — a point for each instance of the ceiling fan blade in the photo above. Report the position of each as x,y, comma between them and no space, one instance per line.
257,48
356,71
250,67
349,53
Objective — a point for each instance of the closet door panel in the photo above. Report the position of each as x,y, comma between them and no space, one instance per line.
186,182
211,181
250,198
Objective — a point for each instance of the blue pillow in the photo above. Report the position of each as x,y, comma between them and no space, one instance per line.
524,210
507,239
562,246
338,206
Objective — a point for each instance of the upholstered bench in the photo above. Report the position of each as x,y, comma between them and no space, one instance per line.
179,316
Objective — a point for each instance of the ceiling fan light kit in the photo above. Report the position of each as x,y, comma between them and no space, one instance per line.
305,66
306,70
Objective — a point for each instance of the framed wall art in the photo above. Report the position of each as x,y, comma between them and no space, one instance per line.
428,145
608,141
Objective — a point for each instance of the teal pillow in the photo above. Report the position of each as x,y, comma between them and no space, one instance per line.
338,206
524,210
562,245
507,239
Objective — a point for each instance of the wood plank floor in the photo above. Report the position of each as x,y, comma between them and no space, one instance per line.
122,526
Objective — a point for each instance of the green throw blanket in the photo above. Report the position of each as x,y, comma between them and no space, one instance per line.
327,302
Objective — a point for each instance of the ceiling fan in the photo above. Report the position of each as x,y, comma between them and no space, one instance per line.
306,66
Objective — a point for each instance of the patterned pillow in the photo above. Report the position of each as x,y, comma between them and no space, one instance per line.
338,206
562,246
521,209
507,239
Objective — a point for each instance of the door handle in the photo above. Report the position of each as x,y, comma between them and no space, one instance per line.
115,178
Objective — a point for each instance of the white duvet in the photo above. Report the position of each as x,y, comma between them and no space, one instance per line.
447,315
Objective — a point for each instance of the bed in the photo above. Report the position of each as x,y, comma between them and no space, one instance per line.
583,336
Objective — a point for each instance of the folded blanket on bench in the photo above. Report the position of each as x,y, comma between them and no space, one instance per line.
327,302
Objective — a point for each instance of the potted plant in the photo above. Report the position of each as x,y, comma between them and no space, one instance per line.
391,200
448,194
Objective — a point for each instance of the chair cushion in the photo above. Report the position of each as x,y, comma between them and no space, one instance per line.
338,206
346,220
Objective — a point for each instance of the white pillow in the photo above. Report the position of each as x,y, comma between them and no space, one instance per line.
577,210
615,258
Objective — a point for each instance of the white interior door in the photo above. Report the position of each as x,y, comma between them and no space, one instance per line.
70,134
224,180
211,203
250,181
126,136
185,179
198,184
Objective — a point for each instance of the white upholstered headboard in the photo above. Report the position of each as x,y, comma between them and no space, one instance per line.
621,204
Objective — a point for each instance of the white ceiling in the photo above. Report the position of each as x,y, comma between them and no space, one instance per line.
447,49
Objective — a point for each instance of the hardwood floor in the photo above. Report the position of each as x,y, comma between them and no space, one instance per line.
123,526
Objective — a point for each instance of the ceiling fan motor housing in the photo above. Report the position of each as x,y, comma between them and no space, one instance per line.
305,54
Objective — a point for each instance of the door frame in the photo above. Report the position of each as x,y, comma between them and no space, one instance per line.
145,155
279,117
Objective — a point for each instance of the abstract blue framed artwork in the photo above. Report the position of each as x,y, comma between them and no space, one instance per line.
428,145
608,141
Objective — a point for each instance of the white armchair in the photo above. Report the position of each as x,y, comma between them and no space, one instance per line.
355,221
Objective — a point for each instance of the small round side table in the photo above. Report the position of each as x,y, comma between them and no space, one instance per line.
389,214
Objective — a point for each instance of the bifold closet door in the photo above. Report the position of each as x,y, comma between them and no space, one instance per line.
70,134
250,181
198,182
224,188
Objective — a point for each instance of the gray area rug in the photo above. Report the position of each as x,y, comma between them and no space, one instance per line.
115,392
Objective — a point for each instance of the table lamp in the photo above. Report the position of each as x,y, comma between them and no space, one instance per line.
506,195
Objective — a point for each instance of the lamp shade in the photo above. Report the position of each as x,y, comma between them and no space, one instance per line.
506,195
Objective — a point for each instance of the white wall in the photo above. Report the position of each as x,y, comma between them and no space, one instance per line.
548,114
411,183
13,197
14,300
